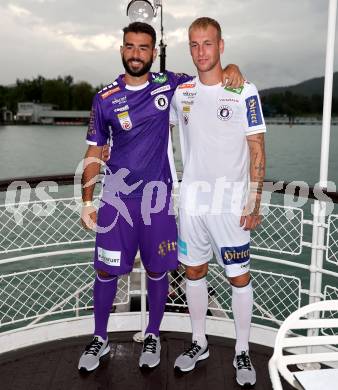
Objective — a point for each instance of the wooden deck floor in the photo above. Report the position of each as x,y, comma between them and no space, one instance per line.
53,366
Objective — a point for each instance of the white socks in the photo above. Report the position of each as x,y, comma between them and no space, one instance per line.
197,298
242,303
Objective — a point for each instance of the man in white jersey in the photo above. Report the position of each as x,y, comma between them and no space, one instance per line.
222,142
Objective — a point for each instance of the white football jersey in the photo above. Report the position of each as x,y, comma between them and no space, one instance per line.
214,122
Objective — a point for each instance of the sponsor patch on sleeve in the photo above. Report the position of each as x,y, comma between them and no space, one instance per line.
112,258
235,254
253,111
91,127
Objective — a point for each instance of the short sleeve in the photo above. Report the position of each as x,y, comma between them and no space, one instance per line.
173,111
98,133
254,114
179,78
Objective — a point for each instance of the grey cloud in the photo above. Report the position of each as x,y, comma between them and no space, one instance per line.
274,42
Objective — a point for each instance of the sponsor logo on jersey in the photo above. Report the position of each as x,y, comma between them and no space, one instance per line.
187,102
91,128
186,85
182,247
123,108
160,79
166,246
229,100
112,258
224,113
235,90
125,120
121,100
160,89
109,92
235,254
189,95
161,102
186,110
253,111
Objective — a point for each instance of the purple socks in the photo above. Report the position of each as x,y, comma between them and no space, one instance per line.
158,287
104,295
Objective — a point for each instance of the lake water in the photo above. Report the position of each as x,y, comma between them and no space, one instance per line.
293,153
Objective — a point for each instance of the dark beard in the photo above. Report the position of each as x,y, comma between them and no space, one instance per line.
145,69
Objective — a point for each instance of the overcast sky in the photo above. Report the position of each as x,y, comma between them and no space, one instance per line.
274,42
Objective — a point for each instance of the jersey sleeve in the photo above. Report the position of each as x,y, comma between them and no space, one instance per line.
98,133
179,78
173,117
254,122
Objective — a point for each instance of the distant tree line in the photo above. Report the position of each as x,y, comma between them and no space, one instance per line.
62,92
67,95
291,104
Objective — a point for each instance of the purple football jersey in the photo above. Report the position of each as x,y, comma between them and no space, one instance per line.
136,124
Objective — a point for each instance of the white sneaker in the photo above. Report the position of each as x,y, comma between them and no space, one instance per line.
245,372
151,353
90,359
188,359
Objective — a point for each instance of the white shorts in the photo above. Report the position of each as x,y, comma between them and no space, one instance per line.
201,235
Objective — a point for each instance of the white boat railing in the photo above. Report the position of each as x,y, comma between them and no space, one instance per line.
45,241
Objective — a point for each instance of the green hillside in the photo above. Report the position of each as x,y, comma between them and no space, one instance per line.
306,88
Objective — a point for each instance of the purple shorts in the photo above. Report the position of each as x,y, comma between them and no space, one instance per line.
117,241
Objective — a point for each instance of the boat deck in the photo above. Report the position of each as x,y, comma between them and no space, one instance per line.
53,366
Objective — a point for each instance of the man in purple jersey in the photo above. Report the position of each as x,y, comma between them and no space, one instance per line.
132,115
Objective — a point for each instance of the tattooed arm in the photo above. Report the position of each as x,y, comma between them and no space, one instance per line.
251,217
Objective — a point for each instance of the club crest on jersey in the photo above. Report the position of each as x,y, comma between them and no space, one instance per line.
224,113
186,110
161,102
125,120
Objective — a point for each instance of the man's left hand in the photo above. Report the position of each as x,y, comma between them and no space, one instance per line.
232,77
251,217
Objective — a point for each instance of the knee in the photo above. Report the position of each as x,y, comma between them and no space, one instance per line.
240,281
156,276
195,273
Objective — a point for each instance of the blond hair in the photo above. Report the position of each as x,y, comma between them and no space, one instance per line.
204,22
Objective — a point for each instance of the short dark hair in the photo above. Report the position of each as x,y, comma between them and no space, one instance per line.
140,27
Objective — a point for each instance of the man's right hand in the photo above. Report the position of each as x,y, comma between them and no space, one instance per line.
105,153
88,217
